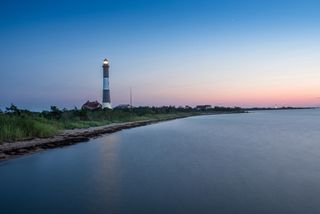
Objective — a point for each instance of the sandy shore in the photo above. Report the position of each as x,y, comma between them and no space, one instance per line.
67,137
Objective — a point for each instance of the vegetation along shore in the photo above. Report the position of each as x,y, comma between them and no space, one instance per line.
23,131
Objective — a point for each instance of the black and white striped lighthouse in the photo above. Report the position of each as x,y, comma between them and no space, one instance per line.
106,102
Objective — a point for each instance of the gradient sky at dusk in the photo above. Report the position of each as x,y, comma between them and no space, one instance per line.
230,52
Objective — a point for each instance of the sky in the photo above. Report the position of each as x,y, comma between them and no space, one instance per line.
233,53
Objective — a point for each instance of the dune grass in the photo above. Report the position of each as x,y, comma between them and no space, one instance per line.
14,127
17,124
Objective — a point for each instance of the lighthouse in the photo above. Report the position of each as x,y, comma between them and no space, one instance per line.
106,102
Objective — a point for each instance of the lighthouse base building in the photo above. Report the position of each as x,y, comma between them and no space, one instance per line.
107,105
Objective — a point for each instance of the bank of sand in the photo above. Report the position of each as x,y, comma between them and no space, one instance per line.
66,137
69,137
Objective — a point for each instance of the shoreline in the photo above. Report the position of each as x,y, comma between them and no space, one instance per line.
10,150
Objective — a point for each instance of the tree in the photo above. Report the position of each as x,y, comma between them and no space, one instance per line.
55,112
13,109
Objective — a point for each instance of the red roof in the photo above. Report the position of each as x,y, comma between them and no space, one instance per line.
91,105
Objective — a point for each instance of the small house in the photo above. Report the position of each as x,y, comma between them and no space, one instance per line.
91,105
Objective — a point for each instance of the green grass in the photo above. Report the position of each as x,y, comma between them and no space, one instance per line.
13,127
20,124
84,124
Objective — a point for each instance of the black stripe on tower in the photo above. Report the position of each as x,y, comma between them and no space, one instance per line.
106,96
105,71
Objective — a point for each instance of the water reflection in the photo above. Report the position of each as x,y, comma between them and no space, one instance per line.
263,162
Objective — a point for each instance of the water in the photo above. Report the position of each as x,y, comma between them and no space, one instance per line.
261,162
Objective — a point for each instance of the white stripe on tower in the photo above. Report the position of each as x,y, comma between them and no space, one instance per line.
106,83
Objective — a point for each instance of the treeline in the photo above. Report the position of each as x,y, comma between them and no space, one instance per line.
276,108
82,114
16,123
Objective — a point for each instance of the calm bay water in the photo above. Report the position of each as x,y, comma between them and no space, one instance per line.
261,162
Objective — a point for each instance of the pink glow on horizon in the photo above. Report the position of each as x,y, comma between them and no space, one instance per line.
231,97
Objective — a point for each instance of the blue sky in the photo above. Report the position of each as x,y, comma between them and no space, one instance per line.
244,53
